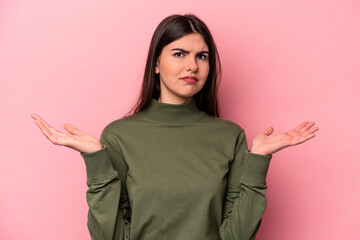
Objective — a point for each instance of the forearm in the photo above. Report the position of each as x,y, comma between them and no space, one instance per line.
103,194
245,200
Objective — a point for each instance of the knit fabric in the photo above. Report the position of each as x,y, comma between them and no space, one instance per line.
173,172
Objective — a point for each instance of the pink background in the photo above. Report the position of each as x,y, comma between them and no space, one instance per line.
82,62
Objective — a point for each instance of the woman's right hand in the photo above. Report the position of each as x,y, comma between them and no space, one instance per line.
73,138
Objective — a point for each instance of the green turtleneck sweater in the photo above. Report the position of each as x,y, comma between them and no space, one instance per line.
173,172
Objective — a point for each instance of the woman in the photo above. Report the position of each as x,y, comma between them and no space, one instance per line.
173,169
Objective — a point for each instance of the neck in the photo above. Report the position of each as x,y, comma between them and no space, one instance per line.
175,100
172,113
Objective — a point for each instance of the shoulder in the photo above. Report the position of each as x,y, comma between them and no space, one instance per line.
119,125
224,124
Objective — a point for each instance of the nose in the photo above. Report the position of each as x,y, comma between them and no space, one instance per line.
191,65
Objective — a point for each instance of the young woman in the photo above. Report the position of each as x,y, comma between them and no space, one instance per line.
174,169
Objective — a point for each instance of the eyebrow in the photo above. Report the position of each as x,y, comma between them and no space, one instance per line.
185,51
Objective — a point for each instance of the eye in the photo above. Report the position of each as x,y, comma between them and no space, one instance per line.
178,54
202,56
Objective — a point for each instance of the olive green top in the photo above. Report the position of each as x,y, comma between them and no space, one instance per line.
173,172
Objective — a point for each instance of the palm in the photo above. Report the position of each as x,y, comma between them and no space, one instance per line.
266,144
73,138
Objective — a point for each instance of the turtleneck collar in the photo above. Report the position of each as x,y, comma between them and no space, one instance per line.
172,113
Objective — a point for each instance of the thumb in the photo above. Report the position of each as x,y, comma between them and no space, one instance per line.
268,131
72,129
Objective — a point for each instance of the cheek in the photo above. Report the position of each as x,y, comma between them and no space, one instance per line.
205,69
173,72
171,69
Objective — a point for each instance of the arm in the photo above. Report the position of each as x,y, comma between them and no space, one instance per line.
106,174
245,200
106,195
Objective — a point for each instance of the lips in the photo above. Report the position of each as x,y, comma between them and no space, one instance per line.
189,79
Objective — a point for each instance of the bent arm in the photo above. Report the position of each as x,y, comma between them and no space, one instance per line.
245,199
106,210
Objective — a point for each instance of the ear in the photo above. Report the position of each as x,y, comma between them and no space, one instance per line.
157,70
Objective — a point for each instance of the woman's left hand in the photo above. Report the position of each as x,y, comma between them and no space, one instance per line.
265,144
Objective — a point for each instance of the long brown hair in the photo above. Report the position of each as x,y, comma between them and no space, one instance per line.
170,29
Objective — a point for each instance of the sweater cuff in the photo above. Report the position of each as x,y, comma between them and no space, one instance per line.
98,166
256,168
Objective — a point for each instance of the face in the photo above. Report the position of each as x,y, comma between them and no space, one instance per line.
183,67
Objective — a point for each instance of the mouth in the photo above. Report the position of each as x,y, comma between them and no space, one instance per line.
190,79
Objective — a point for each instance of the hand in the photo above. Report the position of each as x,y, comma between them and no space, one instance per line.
73,138
265,144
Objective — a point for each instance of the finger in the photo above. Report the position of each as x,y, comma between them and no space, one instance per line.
304,134
301,125
35,116
302,139
42,127
268,131
308,137
314,129
45,131
306,127
50,128
72,129
58,138
309,125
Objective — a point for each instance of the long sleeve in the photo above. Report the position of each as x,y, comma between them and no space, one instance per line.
245,200
106,195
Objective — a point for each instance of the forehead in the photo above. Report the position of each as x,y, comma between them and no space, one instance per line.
193,41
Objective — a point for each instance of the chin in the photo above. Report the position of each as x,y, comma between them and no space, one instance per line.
187,95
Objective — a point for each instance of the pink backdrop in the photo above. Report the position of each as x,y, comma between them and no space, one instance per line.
82,61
